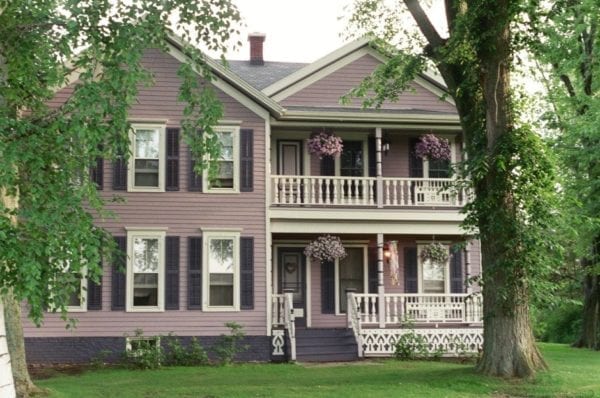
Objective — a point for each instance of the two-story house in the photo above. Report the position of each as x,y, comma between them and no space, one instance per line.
201,253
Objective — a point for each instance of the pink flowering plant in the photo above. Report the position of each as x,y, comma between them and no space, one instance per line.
433,148
325,248
436,252
325,143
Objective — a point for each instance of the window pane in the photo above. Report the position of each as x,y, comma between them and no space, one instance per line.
146,144
221,290
351,273
146,173
145,289
75,299
433,277
220,256
226,139
145,255
439,169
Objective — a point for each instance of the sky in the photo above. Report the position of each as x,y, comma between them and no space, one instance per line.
296,30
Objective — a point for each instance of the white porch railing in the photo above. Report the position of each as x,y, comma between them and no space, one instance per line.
353,314
419,308
361,191
283,315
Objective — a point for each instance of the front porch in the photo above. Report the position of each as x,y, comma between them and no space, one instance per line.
448,323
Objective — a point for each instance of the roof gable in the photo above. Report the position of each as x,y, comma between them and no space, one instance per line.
323,82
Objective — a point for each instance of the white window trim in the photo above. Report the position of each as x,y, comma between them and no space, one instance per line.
235,130
150,234
82,307
162,158
452,141
207,236
420,246
365,276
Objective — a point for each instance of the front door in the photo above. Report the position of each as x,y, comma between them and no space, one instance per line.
290,158
291,272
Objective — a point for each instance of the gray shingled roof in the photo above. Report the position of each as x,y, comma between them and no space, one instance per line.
261,76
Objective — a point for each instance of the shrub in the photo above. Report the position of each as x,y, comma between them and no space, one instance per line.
411,346
228,346
558,323
178,355
143,352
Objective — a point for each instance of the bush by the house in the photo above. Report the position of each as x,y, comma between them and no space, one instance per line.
229,345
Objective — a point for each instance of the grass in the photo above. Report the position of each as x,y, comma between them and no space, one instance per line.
573,373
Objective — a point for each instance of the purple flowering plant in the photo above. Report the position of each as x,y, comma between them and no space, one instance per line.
433,147
325,248
325,143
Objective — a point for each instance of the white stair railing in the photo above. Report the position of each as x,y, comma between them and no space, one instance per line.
353,319
290,323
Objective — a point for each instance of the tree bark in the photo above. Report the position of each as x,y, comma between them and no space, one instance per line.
7,385
590,328
16,346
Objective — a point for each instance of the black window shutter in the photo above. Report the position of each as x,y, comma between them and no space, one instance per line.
415,164
456,273
172,180
411,273
94,292
172,273
327,287
372,157
247,273
246,160
372,271
97,173
119,268
194,273
120,174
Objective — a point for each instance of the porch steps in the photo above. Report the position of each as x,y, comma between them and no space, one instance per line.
325,345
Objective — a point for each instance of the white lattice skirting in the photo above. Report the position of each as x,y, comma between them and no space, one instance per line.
380,342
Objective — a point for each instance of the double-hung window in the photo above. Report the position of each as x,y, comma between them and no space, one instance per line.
77,299
434,277
145,270
147,162
227,176
222,269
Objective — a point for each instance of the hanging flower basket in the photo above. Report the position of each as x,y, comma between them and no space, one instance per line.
325,248
433,148
325,143
435,252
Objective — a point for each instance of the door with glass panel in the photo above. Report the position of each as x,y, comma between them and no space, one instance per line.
289,163
351,275
292,278
352,164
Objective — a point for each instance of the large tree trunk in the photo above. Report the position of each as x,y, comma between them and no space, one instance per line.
590,328
509,348
16,347
7,386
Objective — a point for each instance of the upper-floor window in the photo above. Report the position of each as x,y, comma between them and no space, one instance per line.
227,176
147,162
145,270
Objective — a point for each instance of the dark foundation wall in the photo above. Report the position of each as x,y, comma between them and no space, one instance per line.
82,350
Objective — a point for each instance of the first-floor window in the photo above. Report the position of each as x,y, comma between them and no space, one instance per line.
146,270
221,264
433,275
77,299
351,274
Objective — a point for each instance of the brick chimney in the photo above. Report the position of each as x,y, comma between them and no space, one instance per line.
256,48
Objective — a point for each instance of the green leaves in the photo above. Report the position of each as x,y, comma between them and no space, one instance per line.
51,134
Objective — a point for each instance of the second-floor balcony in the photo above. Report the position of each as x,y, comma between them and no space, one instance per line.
318,191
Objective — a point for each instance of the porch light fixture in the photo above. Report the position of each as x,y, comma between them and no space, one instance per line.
385,144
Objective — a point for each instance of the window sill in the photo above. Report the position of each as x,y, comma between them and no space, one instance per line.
151,309
220,309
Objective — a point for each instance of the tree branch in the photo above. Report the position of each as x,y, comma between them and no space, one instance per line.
424,24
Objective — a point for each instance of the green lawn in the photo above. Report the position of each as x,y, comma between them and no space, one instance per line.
573,373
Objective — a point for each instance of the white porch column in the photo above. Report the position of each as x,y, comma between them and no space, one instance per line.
380,286
379,170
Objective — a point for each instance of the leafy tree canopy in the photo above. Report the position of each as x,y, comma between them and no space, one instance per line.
45,152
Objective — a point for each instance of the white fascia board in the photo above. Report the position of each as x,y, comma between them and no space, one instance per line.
375,117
